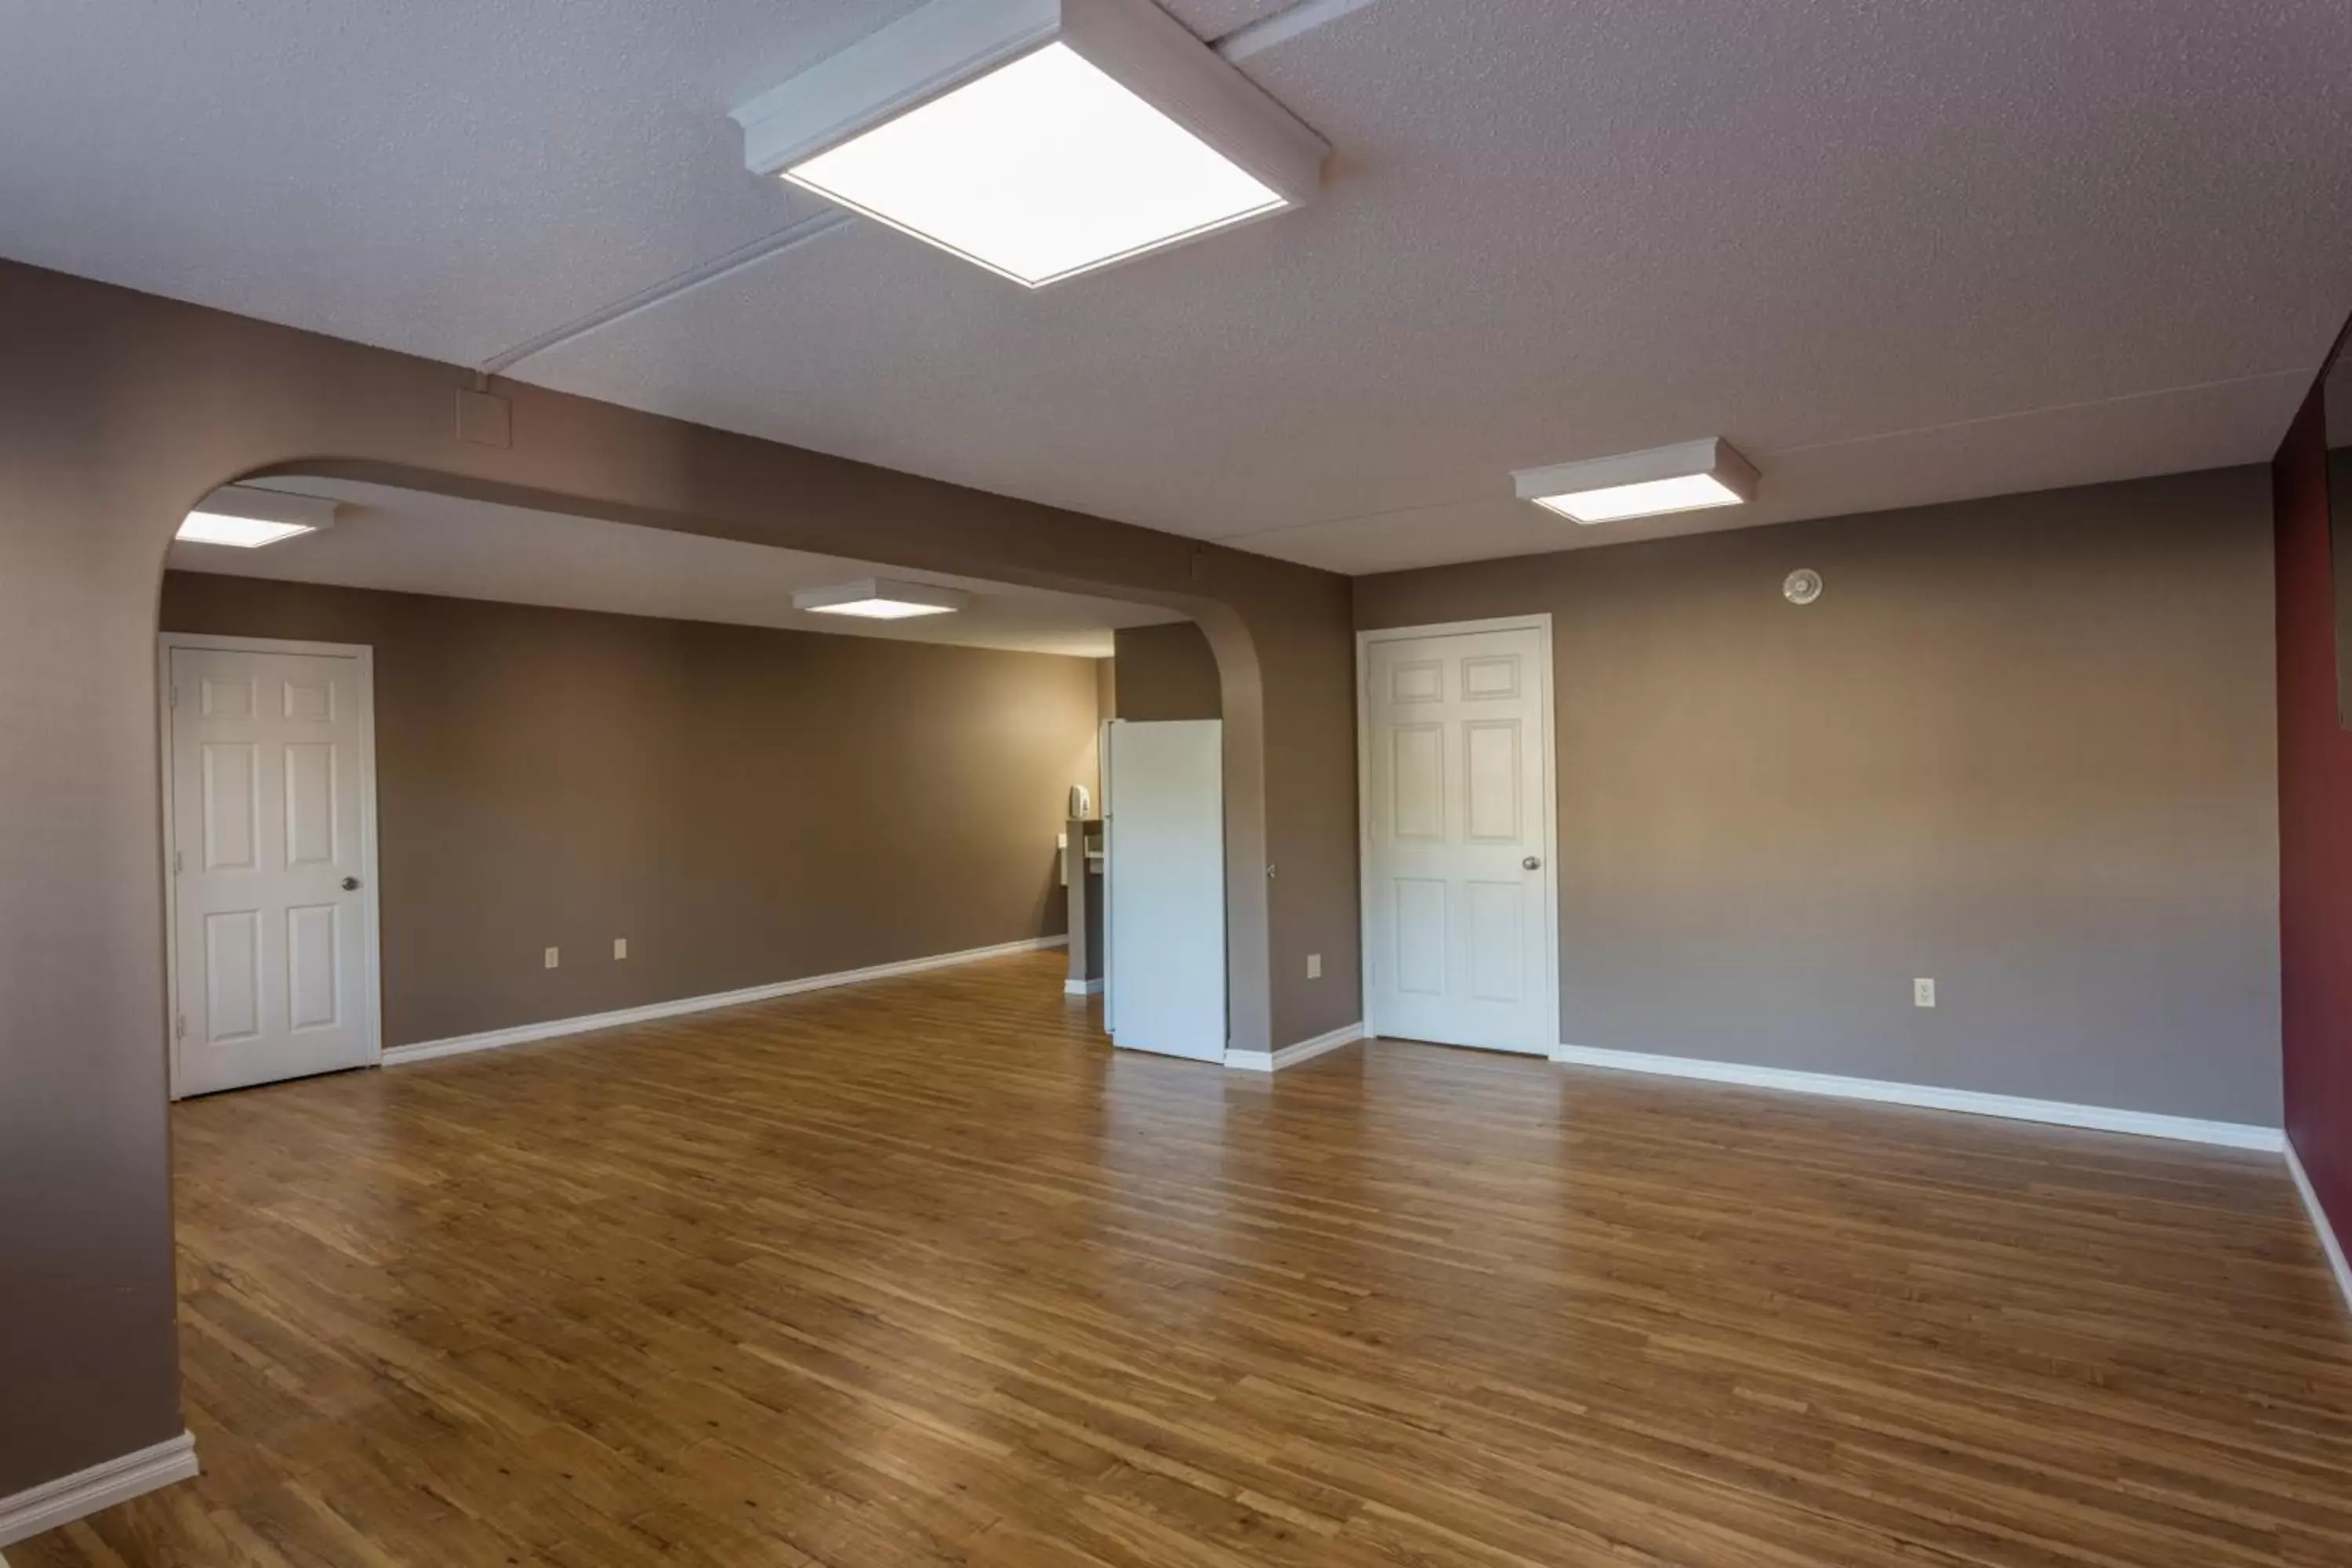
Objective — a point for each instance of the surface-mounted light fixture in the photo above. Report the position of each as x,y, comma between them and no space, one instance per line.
1038,138
249,518
881,599
1684,478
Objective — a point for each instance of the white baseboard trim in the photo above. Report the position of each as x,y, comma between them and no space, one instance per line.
522,1034
83,1493
2319,1222
2101,1118
1291,1056
1082,987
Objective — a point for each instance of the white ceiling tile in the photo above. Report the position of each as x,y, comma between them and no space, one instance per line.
445,180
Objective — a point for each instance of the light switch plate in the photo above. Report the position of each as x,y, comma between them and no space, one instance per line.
553,956
1314,966
1923,992
620,947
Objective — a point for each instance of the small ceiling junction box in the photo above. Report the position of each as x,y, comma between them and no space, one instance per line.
485,419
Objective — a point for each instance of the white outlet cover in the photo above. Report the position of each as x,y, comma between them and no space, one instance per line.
1923,992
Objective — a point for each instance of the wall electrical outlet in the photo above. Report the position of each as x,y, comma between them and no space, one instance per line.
1314,966
552,957
1923,993
620,947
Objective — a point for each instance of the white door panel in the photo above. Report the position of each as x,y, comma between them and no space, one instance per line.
1165,900
1457,895
269,755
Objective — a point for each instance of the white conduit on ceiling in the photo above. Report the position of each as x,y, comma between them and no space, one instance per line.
1254,37
1283,25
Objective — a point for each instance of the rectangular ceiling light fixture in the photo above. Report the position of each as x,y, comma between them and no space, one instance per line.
1686,477
1040,139
881,599
249,518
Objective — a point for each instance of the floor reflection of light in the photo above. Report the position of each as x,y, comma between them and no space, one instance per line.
1168,1204
1457,1171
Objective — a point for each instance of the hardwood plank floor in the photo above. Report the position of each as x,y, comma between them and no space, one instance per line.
920,1272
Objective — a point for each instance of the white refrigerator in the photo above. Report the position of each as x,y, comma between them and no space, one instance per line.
1164,895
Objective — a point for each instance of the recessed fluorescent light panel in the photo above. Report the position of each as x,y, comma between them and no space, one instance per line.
249,518
880,599
1039,138
1686,477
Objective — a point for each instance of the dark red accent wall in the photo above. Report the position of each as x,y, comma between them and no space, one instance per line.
2315,825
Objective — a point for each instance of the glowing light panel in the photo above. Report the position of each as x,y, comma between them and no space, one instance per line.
1039,170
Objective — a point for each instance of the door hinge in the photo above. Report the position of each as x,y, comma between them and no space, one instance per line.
173,700
178,857
180,1027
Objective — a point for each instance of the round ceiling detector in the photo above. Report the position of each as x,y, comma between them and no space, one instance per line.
1801,587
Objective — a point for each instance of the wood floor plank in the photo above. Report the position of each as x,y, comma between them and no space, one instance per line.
921,1272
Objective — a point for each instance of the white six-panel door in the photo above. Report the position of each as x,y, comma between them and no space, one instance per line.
268,770
1458,904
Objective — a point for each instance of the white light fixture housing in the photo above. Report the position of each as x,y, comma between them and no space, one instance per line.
1040,139
881,599
1684,477
249,517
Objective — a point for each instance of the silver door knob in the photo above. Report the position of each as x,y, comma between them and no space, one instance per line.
350,884
1533,863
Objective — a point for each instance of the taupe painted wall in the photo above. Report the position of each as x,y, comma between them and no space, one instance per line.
118,410
1169,672
2026,746
1166,672
743,805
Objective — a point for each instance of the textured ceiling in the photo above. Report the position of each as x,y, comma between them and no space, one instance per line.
410,542
1897,253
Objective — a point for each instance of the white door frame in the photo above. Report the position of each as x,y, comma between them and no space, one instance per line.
1540,624
371,925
